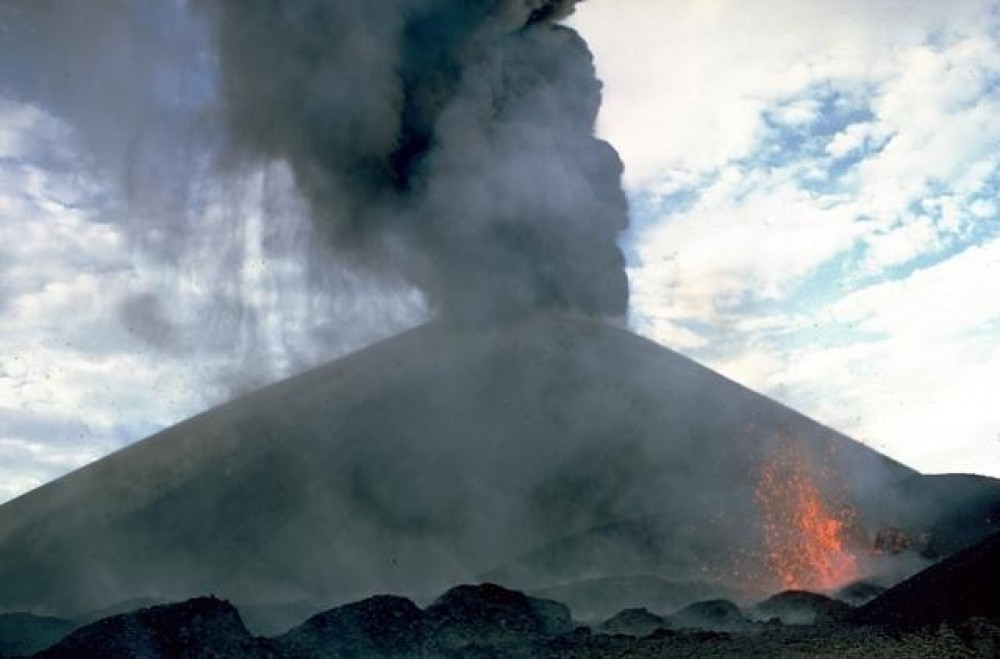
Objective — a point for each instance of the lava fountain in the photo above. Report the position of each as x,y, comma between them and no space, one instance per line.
805,524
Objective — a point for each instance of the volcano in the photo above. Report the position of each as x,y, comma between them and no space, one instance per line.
549,451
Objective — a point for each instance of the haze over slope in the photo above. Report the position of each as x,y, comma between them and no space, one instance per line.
422,462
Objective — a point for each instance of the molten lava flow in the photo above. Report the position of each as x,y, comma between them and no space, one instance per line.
805,532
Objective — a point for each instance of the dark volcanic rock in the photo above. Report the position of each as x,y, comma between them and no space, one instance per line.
556,617
800,607
634,622
379,626
24,633
973,638
715,615
961,586
492,622
201,627
485,614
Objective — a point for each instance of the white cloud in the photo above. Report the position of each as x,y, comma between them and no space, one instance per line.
826,146
737,246
799,112
687,81
927,403
857,136
949,298
901,244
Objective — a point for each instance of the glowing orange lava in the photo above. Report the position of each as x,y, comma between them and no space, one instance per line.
805,529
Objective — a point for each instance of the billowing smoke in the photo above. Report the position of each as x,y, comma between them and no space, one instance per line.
452,140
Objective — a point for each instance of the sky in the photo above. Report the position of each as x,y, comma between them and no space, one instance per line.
815,214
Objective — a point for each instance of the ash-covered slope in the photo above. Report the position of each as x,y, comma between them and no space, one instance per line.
424,461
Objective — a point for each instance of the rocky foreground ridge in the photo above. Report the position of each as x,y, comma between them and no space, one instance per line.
951,609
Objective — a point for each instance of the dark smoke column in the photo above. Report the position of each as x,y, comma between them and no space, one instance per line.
451,141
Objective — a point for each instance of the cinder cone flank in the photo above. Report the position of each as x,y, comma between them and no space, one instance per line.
427,460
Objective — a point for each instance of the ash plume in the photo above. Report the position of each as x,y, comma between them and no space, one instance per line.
451,140
389,158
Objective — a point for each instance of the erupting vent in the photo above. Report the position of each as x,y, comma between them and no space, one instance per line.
805,523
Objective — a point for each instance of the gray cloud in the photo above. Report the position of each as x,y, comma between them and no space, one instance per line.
143,315
452,141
